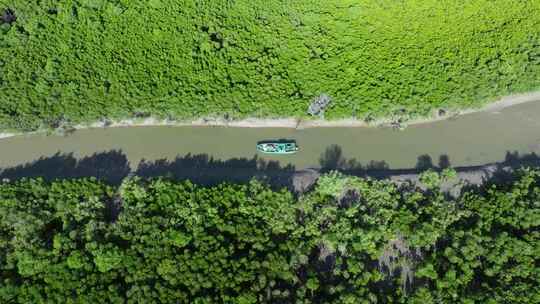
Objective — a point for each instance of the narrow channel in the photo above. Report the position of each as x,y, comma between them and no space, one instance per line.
472,139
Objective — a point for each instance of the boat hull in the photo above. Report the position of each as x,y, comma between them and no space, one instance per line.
277,148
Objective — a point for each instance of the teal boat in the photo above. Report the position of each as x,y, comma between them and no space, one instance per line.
277,147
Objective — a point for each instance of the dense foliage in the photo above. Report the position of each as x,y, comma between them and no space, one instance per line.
349,240
66,61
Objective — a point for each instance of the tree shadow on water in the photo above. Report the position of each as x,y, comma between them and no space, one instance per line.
333,159
513,158
424,162
206,170
111,166
444,162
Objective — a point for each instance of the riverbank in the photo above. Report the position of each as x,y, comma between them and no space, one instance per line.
296,123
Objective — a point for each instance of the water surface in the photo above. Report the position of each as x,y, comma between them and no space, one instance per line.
471,139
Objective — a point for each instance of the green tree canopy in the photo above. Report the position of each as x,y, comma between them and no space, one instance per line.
349,240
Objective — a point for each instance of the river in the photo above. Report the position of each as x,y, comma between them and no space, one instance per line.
471,139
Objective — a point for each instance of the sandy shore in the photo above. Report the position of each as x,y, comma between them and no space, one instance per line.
498,105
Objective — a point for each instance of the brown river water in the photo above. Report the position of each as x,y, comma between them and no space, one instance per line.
471,139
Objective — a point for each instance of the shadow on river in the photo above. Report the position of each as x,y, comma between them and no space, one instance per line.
113,166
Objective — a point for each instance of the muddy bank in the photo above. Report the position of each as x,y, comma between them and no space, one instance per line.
297,123
111,167
466,177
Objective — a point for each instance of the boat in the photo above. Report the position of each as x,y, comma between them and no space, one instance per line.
278,147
